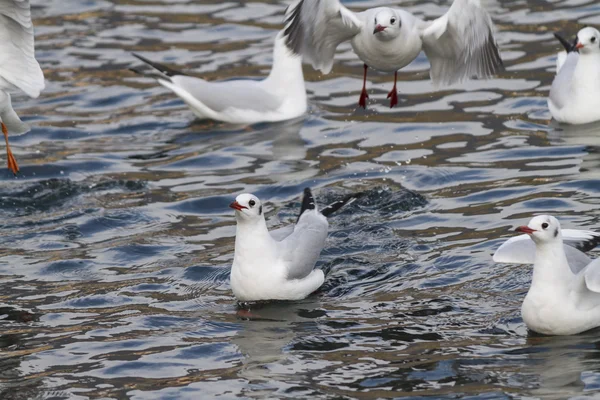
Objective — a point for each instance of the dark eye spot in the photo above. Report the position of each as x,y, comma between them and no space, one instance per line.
544,225
593,39
251,203
260,210
393,21
556,232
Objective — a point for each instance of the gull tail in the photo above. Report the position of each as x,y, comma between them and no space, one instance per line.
569,47
160,71
333,207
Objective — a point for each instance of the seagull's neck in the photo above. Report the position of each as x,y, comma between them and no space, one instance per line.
551,268
252,239
587,71
286,74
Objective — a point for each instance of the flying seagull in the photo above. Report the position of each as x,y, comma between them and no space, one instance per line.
459,45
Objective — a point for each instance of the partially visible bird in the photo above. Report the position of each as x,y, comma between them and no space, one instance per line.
19,70
575,93
279,265
564,296
280,96
459,45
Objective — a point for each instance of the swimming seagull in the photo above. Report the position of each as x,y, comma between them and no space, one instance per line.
279,265
19,70
575,93
564,297
280,96
459,45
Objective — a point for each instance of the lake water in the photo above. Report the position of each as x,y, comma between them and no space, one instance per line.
117,239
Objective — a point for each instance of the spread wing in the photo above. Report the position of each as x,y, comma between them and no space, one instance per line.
461,44
521,249
301,249
18,67
315,28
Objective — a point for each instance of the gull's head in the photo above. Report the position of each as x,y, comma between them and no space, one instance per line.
588,40
386,24
247,207
542,229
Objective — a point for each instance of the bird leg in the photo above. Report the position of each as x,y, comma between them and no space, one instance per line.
394,93
363,95
12,163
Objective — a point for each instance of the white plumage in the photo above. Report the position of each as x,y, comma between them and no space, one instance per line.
19,70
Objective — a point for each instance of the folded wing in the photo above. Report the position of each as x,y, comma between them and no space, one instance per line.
314,29
18,67
461,44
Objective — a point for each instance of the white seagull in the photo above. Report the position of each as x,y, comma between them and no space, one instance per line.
279,265
19,70
459,45
278,97
564,297
575,93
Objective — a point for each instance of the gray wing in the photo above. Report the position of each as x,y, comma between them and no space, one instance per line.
315,28
591,276
521,250
218,96
300,250
282,233
561,86
461,44
18,67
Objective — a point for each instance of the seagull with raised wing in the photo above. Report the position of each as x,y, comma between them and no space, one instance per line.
19,70
459,45
278,97
279,265
564,296
575,93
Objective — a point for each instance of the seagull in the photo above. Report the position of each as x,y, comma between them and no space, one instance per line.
575,92
19,70
278,97
279,265
564,296
459,45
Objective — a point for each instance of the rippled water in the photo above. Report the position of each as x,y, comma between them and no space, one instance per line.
116,239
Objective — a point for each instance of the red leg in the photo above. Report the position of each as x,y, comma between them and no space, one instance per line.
363,95
394,93
12,163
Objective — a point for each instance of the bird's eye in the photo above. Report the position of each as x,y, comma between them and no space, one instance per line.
544,225
593,39
393,21
251,203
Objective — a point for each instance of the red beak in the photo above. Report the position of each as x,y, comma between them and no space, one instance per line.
525,229
578,45
237,206
378,28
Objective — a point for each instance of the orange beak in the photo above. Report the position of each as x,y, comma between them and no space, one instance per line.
578,45
525,229
237,206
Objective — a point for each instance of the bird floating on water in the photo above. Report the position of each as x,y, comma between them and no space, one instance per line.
564,296
19,70
279,265
575,93
278,97
459,45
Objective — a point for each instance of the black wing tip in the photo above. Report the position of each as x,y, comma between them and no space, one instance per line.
569,47
170,72
294,28
589,244
333,207
308,202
